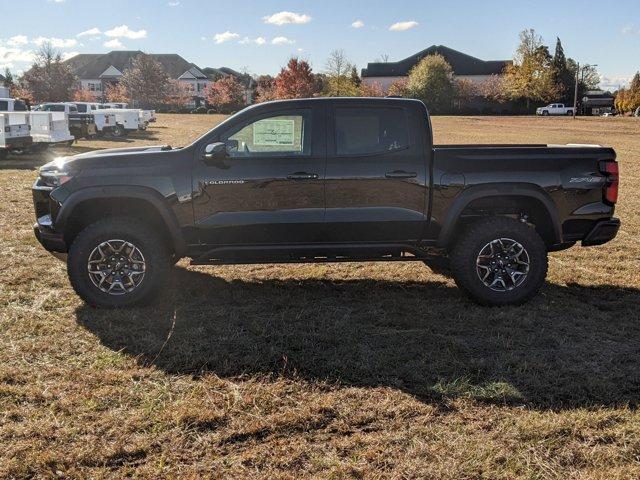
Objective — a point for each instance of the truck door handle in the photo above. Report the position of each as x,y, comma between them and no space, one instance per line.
302,176
400,174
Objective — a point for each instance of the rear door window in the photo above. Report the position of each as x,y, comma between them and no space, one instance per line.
370,130
4,105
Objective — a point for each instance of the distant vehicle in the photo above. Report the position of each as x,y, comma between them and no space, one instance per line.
554,109
324,180
105,122
119,105
81,125
14,132
127,120
637,112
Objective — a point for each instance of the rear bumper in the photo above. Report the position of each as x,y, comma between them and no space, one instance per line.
13,143
602,232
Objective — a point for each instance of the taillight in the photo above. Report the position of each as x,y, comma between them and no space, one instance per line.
611,170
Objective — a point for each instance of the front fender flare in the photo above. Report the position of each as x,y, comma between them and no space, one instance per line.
124,191
492,190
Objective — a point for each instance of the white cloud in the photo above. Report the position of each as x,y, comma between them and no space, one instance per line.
11,56
283,18
68,55
631,30
282,41
125,31
55,42
358,24
17,40
225,36
257,41
614,82
91,31
56,1
402,26
115,43
173,4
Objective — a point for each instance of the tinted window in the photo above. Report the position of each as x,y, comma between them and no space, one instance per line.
72,108
276,135
365,131
81,108
54,108
19,106
4,106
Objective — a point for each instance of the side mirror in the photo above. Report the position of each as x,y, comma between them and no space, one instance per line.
215,151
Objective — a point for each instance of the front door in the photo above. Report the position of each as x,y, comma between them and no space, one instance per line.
269,188
376,180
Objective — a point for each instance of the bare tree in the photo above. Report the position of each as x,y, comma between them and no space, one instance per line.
383,58
337,64
49,79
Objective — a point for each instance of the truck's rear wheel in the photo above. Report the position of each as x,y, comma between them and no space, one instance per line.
499,261
118,131
118,262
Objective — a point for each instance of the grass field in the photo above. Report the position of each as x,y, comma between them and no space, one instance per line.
328,370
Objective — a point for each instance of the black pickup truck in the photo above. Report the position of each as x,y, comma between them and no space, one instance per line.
324,180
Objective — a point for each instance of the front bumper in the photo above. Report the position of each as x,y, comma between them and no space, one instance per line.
48,238
602,232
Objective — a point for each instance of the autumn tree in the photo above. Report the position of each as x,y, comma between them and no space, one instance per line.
225,95
628,99
146,81
296,80
398,88
178,94
531,76
371,90
82,95
117,93
49,79
264,91
432,81
494,89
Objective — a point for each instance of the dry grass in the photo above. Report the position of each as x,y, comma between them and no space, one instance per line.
327,371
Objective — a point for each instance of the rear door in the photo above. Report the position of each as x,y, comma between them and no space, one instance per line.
269,189
376,179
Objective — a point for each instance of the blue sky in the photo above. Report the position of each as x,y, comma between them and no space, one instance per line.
260,35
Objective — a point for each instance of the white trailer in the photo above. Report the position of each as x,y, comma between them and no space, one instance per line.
49,129
14,132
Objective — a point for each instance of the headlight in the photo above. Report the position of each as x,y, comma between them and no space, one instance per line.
54,178
54,173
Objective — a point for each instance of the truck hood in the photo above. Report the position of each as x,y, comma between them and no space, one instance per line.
77,161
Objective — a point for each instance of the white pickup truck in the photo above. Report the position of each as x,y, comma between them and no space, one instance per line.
106,123
554,109
127,120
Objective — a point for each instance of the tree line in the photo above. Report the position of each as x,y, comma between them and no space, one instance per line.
535,76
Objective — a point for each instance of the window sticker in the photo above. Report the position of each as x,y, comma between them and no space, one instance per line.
273,132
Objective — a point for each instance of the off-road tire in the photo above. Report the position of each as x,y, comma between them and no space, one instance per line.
464,255
156,254
118,132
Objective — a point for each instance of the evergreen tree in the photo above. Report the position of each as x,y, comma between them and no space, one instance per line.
563,77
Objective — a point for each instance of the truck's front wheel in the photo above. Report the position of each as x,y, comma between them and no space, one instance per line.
499,261
118,262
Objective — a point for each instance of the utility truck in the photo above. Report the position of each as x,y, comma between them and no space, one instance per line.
81,125
106,123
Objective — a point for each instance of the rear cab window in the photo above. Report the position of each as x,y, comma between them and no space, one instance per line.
370,130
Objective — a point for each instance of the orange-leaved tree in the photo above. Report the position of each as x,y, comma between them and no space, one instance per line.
295,81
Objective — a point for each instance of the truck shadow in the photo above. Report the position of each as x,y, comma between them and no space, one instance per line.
571,346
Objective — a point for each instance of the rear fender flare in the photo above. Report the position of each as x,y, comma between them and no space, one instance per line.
492,190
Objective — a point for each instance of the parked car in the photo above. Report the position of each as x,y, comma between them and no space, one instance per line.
14,132
81,125
324,180
555,109
105,122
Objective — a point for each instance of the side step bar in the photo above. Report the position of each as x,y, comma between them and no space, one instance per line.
310,254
